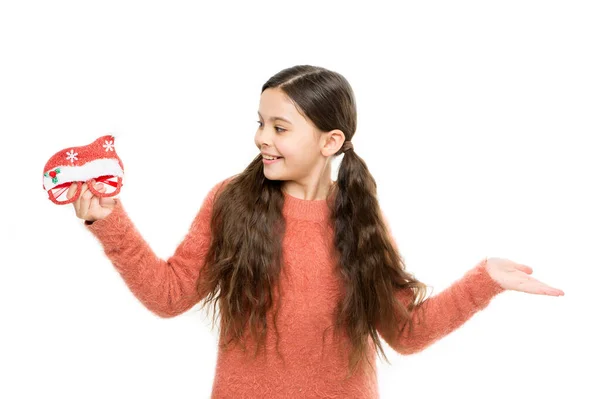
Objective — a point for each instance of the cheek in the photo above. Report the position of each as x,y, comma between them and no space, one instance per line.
287,149
286,153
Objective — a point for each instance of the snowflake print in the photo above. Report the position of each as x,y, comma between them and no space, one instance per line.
108,145
72,156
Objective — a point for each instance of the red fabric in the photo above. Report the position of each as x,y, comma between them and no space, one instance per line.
102,147
309,289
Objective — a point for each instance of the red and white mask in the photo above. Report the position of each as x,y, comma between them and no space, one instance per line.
96,161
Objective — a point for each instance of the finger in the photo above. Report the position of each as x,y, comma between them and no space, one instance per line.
101,189
77,202
72,190
534,286
94,202
524,268
542,287
551,291
107,202
85,199
84,189
556,291
70,193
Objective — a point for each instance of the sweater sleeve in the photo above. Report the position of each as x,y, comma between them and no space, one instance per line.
166,287
439,315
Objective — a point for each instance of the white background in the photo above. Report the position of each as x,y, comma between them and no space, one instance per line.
478,120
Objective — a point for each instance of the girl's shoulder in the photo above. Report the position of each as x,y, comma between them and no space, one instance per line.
216,188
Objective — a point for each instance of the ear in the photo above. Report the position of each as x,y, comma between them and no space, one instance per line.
334,140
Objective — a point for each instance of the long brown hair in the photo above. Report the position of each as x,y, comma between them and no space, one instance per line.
243,261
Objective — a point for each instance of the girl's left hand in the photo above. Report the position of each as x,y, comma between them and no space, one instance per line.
515,276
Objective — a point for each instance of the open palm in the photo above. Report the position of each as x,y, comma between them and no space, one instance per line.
515,276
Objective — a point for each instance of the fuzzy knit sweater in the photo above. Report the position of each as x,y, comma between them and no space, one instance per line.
313,365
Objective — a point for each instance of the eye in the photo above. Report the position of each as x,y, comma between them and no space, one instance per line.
276,127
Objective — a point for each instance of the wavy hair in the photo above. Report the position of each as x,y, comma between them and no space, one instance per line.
243,261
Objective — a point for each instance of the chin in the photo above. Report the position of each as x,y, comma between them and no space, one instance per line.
270,175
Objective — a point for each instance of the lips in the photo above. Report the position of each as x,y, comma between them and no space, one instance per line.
270,161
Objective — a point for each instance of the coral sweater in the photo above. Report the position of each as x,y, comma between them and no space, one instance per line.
313,368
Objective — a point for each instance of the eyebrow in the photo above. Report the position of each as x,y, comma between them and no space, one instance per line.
274,118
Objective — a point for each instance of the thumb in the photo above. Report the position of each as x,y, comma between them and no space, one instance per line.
108,202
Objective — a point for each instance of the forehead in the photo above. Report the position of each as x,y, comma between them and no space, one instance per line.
275,105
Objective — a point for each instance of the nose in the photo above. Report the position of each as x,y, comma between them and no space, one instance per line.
263,138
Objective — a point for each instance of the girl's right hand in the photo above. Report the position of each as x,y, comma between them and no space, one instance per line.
89,206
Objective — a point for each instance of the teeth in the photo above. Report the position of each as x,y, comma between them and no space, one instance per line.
268,157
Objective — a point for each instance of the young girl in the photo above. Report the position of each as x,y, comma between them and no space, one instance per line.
304,269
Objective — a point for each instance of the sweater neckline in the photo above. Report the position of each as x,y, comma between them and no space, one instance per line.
297,208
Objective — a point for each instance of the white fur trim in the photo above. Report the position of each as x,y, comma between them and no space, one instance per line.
92,169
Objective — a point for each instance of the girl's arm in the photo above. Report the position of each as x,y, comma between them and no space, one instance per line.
443,313
165,287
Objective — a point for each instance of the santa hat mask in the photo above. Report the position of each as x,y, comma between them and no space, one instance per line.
96,161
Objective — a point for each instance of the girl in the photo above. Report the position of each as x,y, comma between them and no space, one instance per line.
303,268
